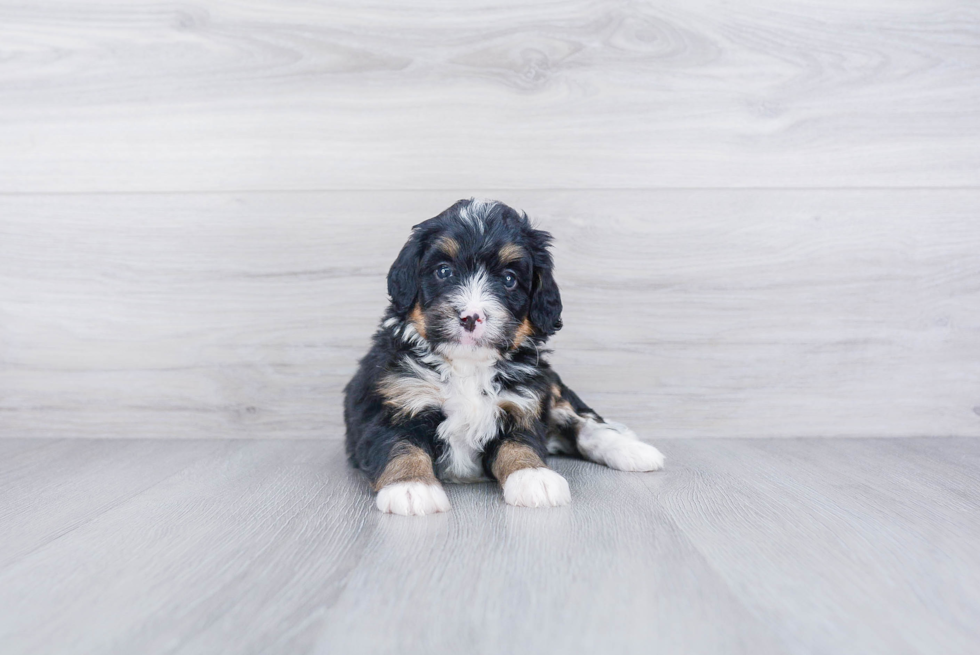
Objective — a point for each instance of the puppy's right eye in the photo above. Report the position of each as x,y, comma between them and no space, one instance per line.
444,271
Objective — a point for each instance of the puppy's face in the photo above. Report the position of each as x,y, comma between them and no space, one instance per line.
477,275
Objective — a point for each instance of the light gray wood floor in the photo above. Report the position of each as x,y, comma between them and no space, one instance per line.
273,546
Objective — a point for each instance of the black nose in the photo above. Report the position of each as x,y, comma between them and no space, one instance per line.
469,322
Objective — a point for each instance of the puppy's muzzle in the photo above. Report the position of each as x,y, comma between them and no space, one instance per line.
470,321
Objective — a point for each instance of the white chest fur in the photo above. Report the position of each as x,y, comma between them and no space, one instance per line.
471,403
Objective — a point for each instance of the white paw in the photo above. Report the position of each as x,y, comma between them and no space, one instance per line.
413,499
633,456
615,445
538,487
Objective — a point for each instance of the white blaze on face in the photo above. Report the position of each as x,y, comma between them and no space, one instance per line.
480,313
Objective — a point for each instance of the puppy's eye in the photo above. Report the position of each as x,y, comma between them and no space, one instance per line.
444,271
510,280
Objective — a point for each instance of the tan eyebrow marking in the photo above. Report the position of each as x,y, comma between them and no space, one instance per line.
448,245
511,252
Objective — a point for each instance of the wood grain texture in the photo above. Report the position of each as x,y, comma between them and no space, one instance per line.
687,313
257,528
805,546
766,226
153,96
49,491
782,511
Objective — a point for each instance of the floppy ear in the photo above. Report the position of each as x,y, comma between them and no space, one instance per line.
403,276
545,311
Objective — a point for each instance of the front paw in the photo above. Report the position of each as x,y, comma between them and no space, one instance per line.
536,487
413,499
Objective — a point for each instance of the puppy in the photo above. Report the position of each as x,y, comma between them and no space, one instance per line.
456,386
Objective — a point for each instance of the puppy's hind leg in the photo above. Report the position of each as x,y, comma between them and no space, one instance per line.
616,446
574,427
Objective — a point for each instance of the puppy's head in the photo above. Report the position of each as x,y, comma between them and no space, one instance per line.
477,275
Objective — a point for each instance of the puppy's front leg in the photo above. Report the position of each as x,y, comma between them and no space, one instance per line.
525,478
407,484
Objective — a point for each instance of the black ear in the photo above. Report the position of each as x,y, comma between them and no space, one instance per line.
403,276
545,313
545,303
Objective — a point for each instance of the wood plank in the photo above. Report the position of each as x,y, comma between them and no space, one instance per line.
851,545
739,546
258,529
52,489
610,573
212,96
687,313
13,449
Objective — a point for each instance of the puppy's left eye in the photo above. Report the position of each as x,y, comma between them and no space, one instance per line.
510,280
444,271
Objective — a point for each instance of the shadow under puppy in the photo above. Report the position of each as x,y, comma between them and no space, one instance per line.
456,386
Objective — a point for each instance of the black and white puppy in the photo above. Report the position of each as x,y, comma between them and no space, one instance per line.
456,387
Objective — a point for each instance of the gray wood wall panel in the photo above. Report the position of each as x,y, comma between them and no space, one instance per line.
688,312
152,96
766,213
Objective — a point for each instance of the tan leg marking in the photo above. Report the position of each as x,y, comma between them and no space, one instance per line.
512,457
409,463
